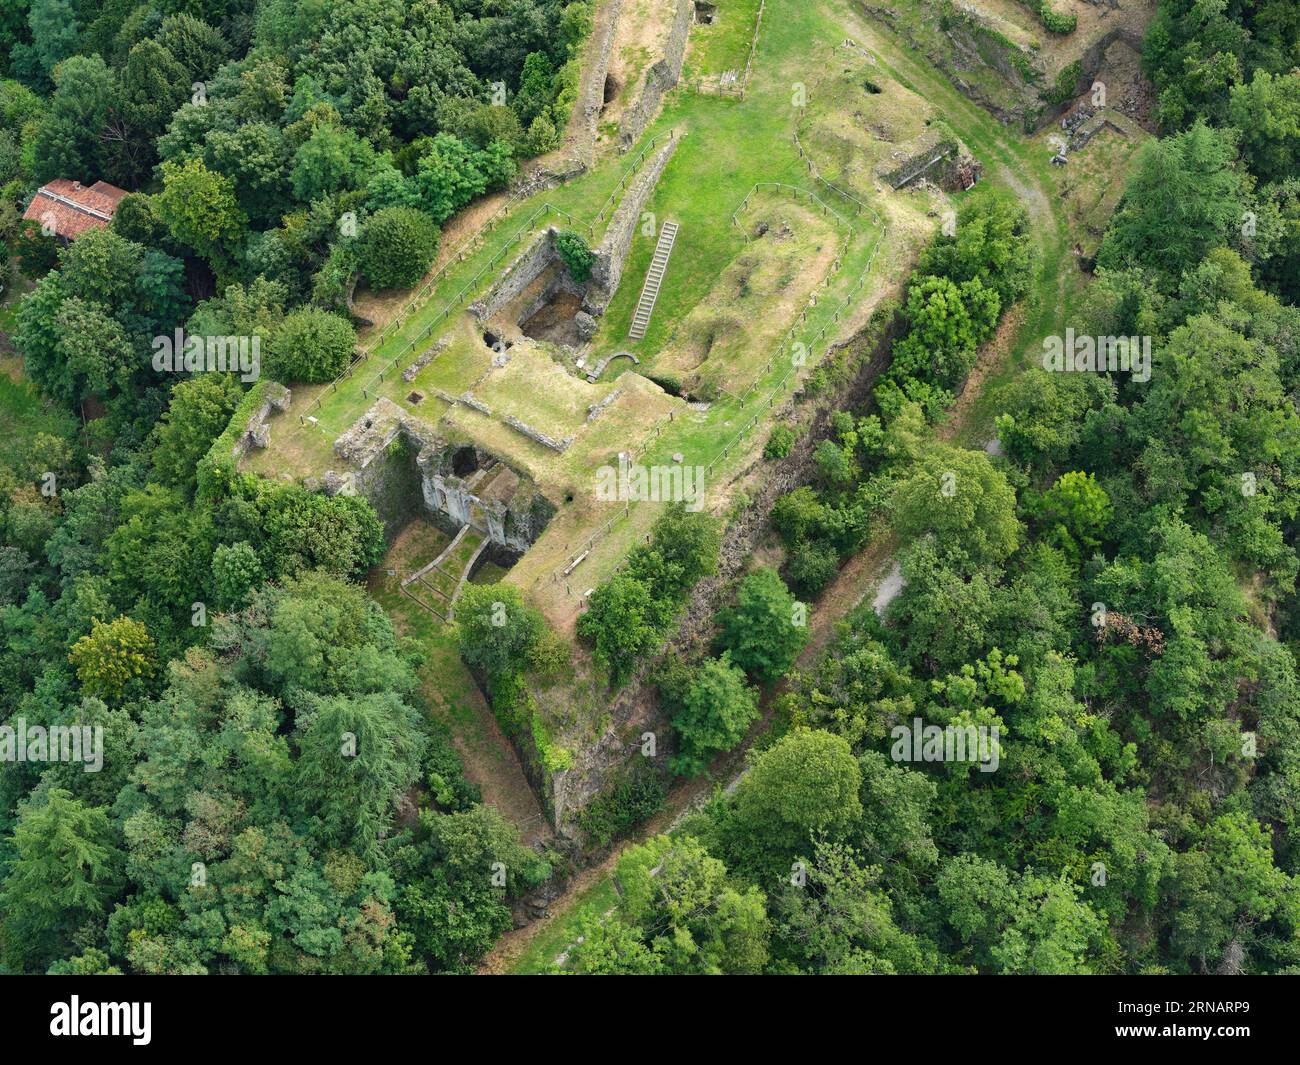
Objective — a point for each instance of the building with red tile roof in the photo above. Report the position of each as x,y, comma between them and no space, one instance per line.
71,208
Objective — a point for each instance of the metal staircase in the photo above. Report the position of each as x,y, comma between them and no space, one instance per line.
654,277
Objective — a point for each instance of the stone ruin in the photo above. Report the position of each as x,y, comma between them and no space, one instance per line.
406,469
257,433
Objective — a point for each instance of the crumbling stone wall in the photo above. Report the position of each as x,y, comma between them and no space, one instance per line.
661,77
521,273
257,433
584,121
611,254
402,466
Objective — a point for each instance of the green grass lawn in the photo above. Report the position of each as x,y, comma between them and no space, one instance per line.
724,45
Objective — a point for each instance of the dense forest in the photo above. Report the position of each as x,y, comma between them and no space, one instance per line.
1110,594
274,154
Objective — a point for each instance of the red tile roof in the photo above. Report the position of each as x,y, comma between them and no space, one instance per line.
74,208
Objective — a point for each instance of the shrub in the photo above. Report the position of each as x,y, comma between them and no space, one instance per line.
396,247
634,799
779,442
813,565
576,256
311,345
1055,21
765,630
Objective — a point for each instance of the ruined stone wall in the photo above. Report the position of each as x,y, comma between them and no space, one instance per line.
521,273
1090,62
584,121
391,482
661,77
611,254
257,433
402,466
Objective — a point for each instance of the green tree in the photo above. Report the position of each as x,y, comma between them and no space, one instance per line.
1183,197
605,946
236,571
1075,510
200,209
712,713
396,247
701,922
497,631
576,256
1267,112
963,501
311,345
330,160
357,757
622,623
114,659
804,786
199,412
766,629
65,869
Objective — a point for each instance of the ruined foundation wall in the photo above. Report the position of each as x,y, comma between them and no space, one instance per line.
661,77
521,273
611,254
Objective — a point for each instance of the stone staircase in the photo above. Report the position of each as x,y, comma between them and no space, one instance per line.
653,279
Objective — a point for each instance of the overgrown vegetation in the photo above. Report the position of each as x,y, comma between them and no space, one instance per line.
1108,605
273,796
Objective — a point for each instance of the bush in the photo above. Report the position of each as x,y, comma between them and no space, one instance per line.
311,345
576,256
779,442
813,565
765,630
497,631
635,799
714,712
1056,22
396,247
